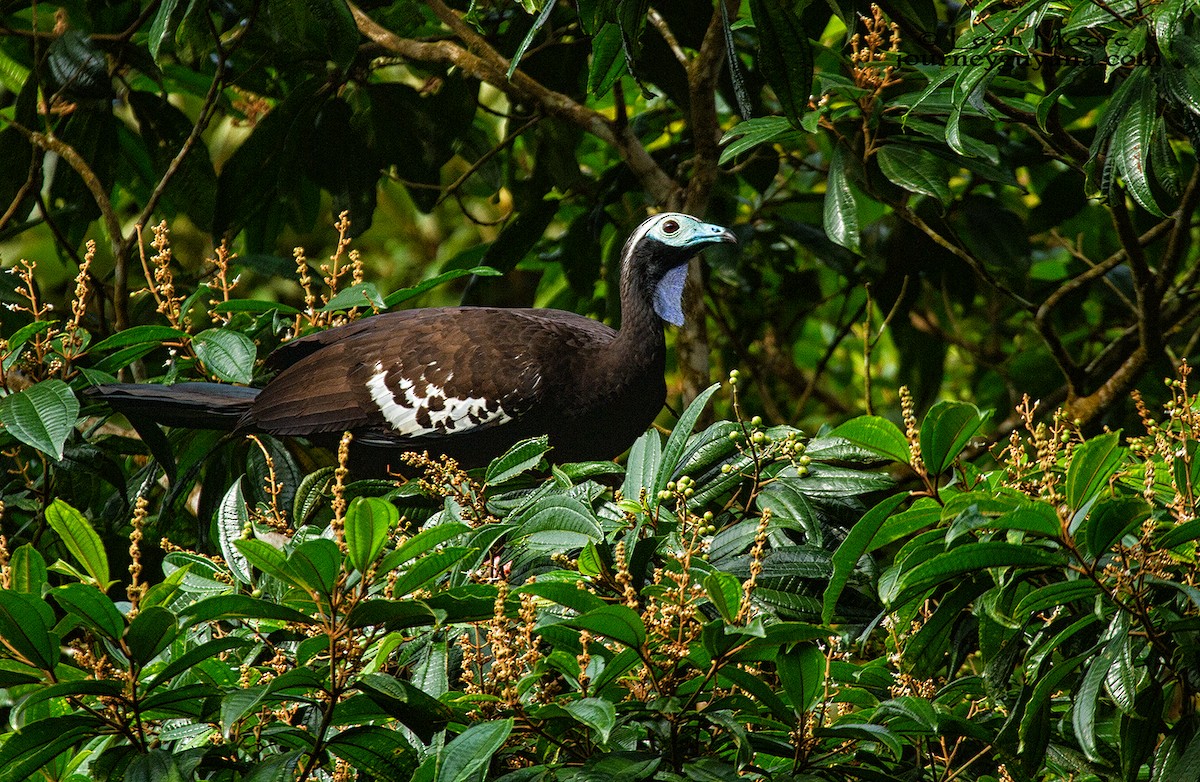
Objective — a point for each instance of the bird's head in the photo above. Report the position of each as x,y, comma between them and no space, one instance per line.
656,255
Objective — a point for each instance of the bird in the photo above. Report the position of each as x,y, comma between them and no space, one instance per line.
466,382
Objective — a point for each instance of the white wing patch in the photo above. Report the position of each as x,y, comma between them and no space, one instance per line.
420,408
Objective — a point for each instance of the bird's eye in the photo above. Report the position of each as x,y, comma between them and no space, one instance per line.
670,226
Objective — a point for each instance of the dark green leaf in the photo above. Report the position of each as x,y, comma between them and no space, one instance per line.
80,539
841,218
784,55
138,335
383,753
559,522
27,570
194,656
404,294
40,742
25,626
471,752
1092,464
232,520
946,430
364,294
521,458
857,543
617,622
229,608
421,543
596,713
971,558
877,435
802,674
227,354
42,416
421,713
1132,142
422,574
917,170
677,442
725,592
268,559
93,607
367,523
316,564
150,632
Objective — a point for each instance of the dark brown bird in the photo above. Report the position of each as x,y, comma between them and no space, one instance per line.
465,381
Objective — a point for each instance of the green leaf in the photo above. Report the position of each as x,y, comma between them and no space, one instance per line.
802,674
193,657
314,31
877,435
236,704
38,743
316,564
367,523
381,752
80,539
157,765
565,593
27,570
946,430
42,416
421,543
25,626
1109,520
538,23
677,442
227,354
229,608
1132,141
429,567
1092,464
917,170
641,466
232,520
597,714
857,543
420,713
162,27
254,305
471,752
394,614
268,559
150,632
521,458
725,592
750,133
964,560
104,687
364,294
784,54
404,294
138,335
608,64
93,607
841,218
618,622
559,522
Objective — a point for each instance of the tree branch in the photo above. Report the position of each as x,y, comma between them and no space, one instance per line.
483,62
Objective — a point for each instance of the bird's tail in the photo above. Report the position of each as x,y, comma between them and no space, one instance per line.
192,405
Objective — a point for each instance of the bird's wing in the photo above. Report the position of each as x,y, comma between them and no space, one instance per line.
422,373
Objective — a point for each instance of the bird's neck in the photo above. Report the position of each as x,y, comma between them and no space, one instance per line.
639,343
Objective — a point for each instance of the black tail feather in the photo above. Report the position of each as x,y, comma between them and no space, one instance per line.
193,405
